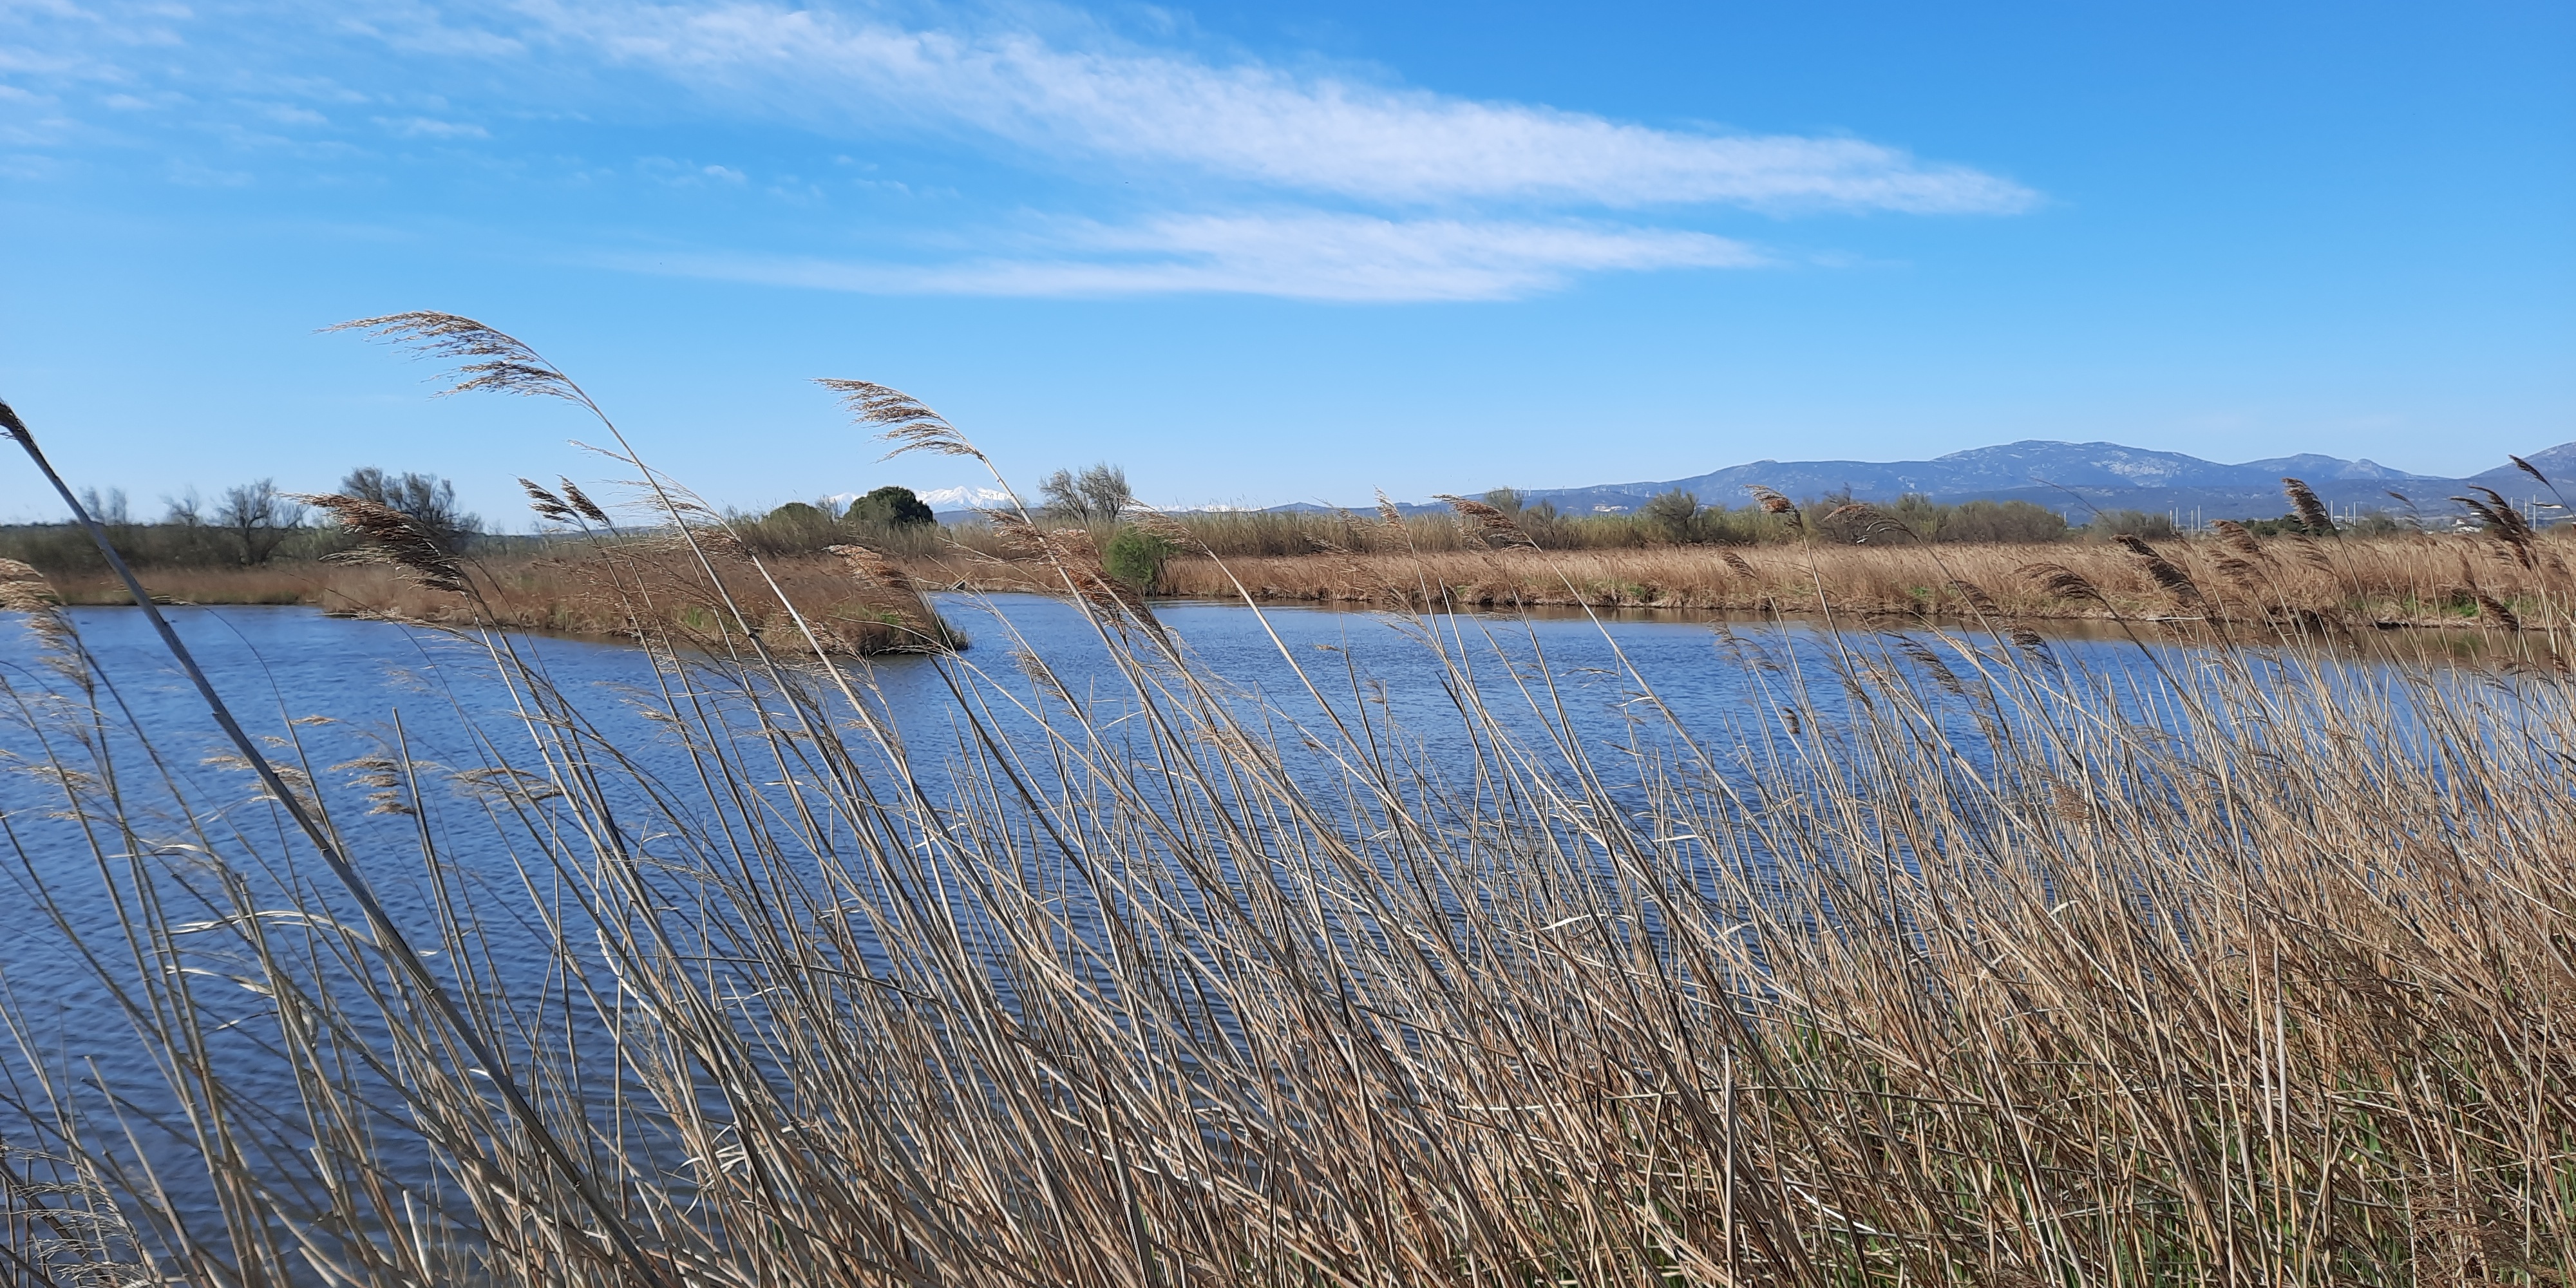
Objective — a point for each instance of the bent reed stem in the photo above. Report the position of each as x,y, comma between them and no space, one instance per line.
390,939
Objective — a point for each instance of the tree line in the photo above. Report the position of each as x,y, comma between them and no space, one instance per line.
247,525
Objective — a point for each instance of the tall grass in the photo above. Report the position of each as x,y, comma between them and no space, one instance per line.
1943,961
2414,579
2410,579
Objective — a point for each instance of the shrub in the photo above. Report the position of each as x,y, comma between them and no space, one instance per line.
1674,513
2002,521
1136,557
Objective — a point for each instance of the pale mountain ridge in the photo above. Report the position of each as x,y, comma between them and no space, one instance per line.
2055,473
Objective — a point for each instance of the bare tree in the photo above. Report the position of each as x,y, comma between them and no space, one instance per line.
429,500
109,509
259,518
1097,493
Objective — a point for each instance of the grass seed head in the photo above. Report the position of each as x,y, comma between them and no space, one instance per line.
2312,513
547,505
1486,523
2062,582
908,423
2174,580
392,538
479,358
581,502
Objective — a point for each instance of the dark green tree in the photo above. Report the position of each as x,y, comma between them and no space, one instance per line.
890,507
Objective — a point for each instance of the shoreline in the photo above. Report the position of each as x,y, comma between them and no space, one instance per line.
2449,587
2409,583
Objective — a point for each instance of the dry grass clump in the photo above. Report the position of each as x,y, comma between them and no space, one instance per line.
1943,961
597,590
644,589
2413,580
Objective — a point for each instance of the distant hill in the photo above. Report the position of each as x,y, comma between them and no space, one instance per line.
2073,477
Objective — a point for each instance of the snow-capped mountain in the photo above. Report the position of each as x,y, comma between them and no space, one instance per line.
940,498
964,498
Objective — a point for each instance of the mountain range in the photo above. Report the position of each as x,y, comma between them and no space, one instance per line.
2072,478
2079,477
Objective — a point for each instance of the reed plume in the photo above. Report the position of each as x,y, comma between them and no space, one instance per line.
908,423
582,504
546,504
2495,610
2504,524
1488,524
2174,580
481,358
23,589
1771,500
2238,539
2062,582
389,537
2312,512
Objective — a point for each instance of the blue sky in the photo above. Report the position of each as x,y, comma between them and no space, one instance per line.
1284,252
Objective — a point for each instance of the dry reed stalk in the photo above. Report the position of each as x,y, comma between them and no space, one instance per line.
1938,961
2393,580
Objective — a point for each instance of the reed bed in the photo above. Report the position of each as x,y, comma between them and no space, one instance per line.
1943,961
2444,580
2410,580
621,589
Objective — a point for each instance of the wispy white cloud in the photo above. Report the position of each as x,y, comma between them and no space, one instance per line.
1250,120
1301,183
426,127
1300,255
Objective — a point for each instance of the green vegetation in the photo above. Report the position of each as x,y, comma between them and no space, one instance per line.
889,507
889,520
1678,519
1136,556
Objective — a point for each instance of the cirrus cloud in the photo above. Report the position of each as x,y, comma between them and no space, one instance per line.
1143,167
1249,120
1296,255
